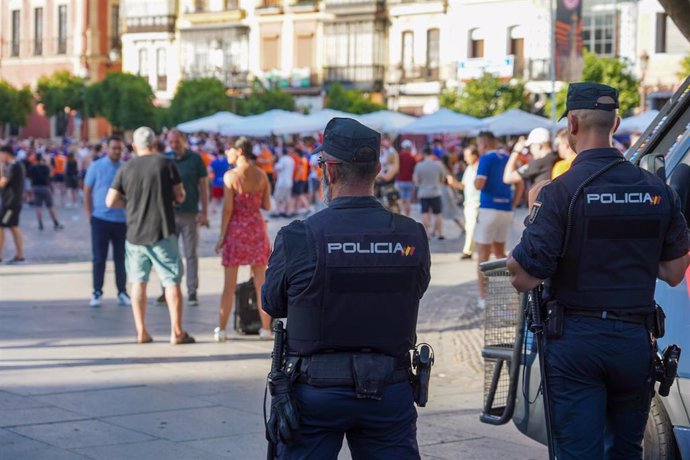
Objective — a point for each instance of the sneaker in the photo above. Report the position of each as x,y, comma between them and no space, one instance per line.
265,334
161,302
481,303
192,300
40,225
95,300
16,261
441,237
58,226
219,335
124,300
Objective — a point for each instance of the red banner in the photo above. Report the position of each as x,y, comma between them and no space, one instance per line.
569,44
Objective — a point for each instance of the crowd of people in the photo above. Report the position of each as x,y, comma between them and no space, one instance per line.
476,184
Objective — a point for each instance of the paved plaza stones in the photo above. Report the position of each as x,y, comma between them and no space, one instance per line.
73,384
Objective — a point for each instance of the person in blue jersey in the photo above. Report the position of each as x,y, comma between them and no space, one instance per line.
495,215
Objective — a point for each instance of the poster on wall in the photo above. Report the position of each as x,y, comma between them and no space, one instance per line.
569,40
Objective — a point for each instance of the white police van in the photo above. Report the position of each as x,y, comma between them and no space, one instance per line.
512,377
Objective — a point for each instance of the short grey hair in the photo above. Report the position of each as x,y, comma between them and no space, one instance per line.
144,138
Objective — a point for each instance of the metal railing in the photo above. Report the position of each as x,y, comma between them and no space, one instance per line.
143,24
235,79
355,73
504,333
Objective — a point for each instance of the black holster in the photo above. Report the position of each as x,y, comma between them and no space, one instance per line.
555,316
422,361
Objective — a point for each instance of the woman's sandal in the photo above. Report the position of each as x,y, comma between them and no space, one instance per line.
149,339
185,339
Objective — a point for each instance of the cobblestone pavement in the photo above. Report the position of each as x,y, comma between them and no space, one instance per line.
73,385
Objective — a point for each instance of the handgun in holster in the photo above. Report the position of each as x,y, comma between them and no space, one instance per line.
666,368
422,361
666,362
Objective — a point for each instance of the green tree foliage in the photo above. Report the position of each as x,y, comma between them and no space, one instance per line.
125,100
684,68
609,71
262,99
485,97
350,100
15,104
198,98
60,90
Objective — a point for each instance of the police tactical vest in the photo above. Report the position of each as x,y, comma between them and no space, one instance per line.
364,294
618,225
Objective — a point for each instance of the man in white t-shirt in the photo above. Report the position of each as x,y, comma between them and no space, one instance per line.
471,202
284,169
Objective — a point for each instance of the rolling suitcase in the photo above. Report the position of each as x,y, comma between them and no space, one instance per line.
246,313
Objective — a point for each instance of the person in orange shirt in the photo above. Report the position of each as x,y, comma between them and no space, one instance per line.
59,164
565,152
265,160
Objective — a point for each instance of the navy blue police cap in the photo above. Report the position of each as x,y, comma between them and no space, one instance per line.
586,95
350,141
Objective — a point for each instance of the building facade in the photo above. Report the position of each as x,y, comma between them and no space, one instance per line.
40,37
150,46
418,65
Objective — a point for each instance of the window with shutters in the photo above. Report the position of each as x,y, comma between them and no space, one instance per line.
15,33
270,53
476,44
38,31
143,62
161,70
660,39
433,53
62,30
304,51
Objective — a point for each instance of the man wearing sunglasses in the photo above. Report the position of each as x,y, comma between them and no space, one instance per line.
349,279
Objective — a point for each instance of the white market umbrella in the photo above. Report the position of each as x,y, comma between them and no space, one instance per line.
514,122
262,125
637,123
443,121
314,122
210,124
387,121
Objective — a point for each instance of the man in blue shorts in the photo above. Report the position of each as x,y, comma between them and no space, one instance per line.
495,204
148,186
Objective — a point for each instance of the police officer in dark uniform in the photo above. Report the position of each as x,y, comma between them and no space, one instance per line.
349,280
601,233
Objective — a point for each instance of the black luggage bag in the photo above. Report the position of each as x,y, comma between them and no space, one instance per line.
246,313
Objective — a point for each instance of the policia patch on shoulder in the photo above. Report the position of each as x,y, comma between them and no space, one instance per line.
534,212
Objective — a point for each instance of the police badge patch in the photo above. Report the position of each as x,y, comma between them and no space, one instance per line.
534,211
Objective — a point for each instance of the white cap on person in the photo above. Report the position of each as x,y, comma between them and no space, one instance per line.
538,136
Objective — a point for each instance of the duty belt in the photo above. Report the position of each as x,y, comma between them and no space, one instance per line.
644,319
343,369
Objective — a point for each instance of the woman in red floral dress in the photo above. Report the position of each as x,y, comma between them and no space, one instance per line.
243,234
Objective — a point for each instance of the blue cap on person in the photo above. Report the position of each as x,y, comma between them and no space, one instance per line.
350,141
586,95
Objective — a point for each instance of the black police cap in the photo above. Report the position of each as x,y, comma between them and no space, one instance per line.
350,141
585,95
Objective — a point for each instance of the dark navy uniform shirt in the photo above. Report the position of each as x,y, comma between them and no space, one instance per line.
292,266
540,247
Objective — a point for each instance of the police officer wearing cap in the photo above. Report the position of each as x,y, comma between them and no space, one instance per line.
601,233
349,279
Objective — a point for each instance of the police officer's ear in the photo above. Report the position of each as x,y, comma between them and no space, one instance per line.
573,124
616,124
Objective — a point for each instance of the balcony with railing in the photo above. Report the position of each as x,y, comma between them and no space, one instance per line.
354,6
416,73
361,76
57,46
144,24
230,11
231,78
